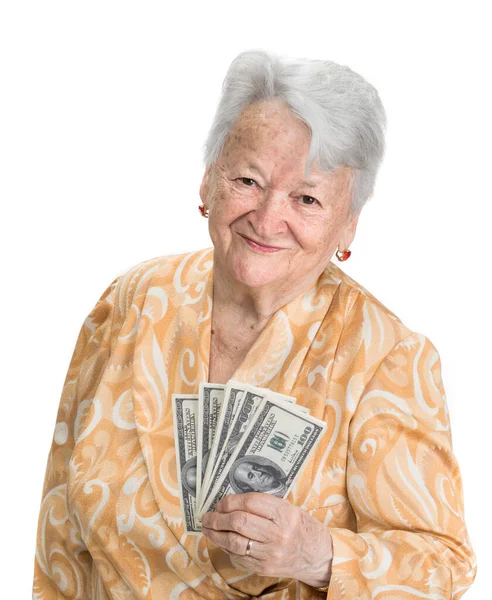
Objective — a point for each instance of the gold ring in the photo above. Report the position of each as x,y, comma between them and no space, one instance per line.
248,548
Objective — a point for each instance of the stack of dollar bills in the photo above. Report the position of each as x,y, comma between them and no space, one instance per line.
238,438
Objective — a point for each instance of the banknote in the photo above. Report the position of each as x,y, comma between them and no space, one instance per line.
211,397
185,418
276,445
230,436
232,397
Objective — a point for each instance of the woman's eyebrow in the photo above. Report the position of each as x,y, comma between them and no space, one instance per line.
310,184
253,167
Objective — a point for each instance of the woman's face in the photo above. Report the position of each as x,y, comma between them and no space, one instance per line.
269,227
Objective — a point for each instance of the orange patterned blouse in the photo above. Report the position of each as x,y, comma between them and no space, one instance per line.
384,478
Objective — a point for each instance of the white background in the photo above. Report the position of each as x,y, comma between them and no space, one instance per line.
104,110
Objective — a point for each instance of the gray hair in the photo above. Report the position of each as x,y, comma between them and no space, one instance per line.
342,110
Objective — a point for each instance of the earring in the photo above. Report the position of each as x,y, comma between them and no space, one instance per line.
203,210
343,255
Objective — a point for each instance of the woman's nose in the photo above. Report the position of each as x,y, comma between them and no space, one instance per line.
269,218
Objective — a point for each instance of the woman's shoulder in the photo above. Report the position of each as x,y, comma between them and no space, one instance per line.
173,269
359,304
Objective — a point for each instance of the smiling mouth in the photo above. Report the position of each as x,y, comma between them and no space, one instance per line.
260,247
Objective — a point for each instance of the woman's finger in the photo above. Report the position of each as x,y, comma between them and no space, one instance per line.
246,524
233,542
263,505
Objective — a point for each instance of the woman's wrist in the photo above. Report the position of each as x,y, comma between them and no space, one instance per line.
322,580
320,575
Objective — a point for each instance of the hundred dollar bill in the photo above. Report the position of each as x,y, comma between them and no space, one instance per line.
232,397
185,417
230,436
250,401
211,398
276,445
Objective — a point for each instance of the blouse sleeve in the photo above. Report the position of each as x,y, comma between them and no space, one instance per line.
62,565
405,488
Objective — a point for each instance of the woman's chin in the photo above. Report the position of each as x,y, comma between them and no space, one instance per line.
253,275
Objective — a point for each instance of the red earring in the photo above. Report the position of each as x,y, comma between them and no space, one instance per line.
343,255
203,210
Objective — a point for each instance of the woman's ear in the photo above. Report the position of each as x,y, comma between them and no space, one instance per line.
348,233
204,186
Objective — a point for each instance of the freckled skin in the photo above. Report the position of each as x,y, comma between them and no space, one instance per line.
274,208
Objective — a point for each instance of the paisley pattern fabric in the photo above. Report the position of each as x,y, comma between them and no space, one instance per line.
384,478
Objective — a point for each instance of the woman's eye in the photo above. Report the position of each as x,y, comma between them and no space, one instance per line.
308,200
247,181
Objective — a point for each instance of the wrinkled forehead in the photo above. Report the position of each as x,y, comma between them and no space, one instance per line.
269,135
270,138
267,126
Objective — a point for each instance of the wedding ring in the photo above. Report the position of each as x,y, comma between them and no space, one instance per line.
248,548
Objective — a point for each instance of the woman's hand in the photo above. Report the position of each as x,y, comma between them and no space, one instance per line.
286,540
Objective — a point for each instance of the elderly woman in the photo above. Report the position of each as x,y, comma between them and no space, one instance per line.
378,511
